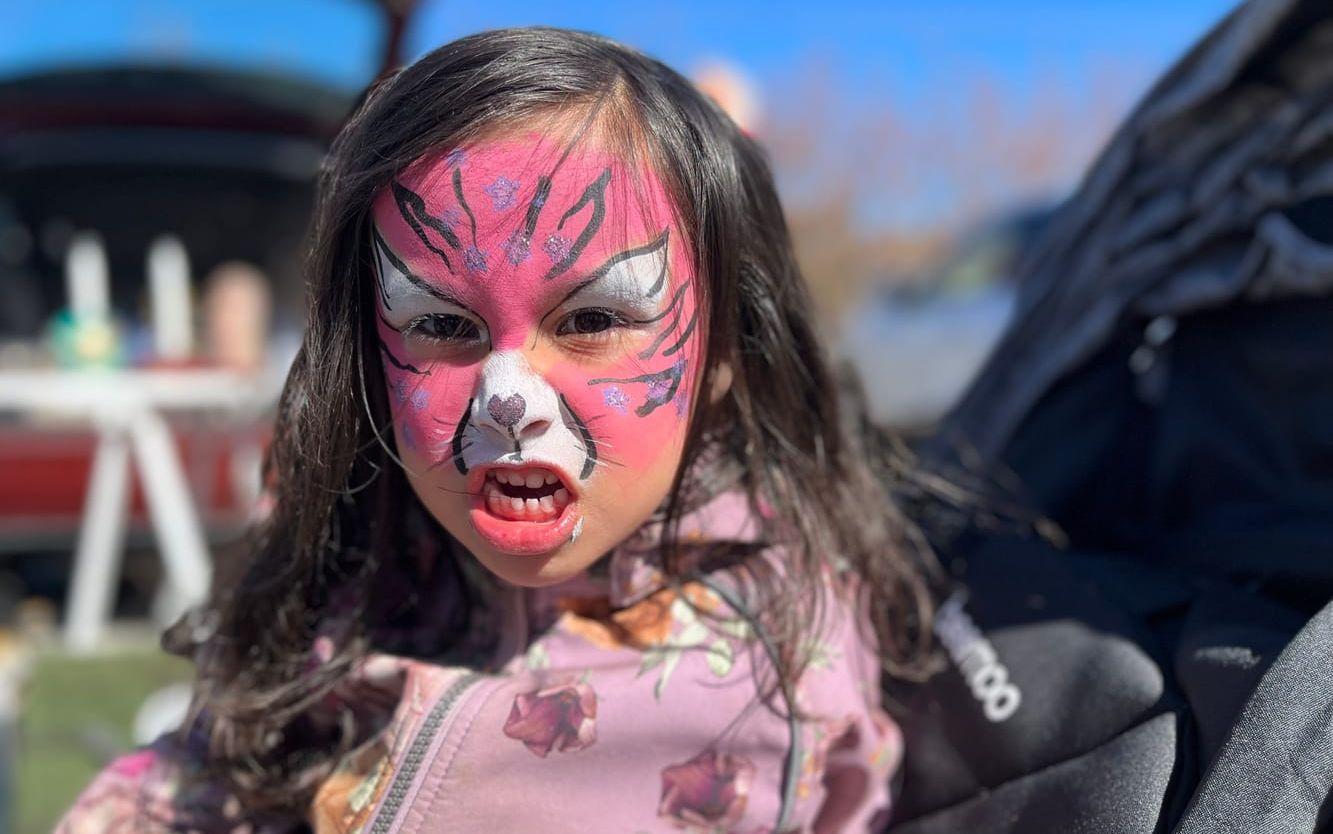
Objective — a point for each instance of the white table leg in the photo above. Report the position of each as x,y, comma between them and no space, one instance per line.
180,537
101,538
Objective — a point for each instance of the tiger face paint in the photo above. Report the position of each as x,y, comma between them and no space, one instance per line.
539,331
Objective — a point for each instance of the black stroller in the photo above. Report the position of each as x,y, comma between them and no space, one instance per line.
1165,397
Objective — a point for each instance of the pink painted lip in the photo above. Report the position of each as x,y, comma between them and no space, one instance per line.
522,538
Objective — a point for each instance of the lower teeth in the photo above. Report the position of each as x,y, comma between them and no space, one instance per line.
515,508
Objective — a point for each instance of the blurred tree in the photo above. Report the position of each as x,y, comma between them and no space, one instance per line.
875,189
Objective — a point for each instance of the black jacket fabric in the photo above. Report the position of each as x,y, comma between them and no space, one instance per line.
1164,398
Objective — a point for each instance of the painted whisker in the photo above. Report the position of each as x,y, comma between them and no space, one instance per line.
445,453
689,328
651,350
399,364
605,463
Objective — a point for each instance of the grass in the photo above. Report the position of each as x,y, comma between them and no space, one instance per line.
76,713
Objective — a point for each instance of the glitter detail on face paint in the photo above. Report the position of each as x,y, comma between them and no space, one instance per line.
501,192
682,404
420,399
508,411
658,388
661,386
516,247
474,259
616,398
408,433
557,247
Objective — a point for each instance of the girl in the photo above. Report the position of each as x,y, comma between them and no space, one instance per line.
617,565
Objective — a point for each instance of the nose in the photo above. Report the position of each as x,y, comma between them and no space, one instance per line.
511,414
507,412
513,401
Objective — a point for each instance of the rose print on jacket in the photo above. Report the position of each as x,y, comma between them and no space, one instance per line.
707,793
561,718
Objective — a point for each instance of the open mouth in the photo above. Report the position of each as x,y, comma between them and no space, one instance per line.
524,510
528,494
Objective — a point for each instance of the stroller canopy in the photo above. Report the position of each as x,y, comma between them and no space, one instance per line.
1165,397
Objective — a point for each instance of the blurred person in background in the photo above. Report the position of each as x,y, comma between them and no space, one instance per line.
237,309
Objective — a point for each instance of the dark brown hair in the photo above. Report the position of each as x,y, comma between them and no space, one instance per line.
337,523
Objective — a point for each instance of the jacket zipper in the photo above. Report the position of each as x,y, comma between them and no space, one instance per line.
416,753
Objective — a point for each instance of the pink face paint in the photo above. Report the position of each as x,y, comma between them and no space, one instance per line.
494,261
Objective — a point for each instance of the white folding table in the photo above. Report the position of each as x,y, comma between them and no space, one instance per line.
125,409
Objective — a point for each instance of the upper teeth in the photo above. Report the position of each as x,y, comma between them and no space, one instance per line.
531,478
547,507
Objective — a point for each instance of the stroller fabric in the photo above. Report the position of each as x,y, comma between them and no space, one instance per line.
1165,398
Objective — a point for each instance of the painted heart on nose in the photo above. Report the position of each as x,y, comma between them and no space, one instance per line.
507,412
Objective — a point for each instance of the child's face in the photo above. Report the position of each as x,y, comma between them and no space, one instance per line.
538,332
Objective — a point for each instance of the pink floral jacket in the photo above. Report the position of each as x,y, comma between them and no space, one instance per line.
617,705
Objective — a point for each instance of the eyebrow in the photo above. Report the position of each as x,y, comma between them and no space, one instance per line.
653,245
600,272
578,288
595,193
412,278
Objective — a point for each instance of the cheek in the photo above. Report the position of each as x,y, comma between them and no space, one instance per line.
428,402
635,411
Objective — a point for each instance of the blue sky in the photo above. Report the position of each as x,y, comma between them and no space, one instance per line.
915,55
331,40
902,46
894,45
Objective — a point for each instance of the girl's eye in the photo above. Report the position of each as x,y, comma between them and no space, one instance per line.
446,327
588,322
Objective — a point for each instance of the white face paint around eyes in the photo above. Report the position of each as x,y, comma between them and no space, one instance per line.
634,281
403,300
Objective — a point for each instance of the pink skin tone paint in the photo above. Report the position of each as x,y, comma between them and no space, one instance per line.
538,332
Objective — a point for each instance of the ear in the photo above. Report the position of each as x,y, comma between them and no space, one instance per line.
722,378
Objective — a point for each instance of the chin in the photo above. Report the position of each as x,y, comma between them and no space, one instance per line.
536,571
527,551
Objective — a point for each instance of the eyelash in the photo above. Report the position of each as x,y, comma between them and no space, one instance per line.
429,327
419,328
617,321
